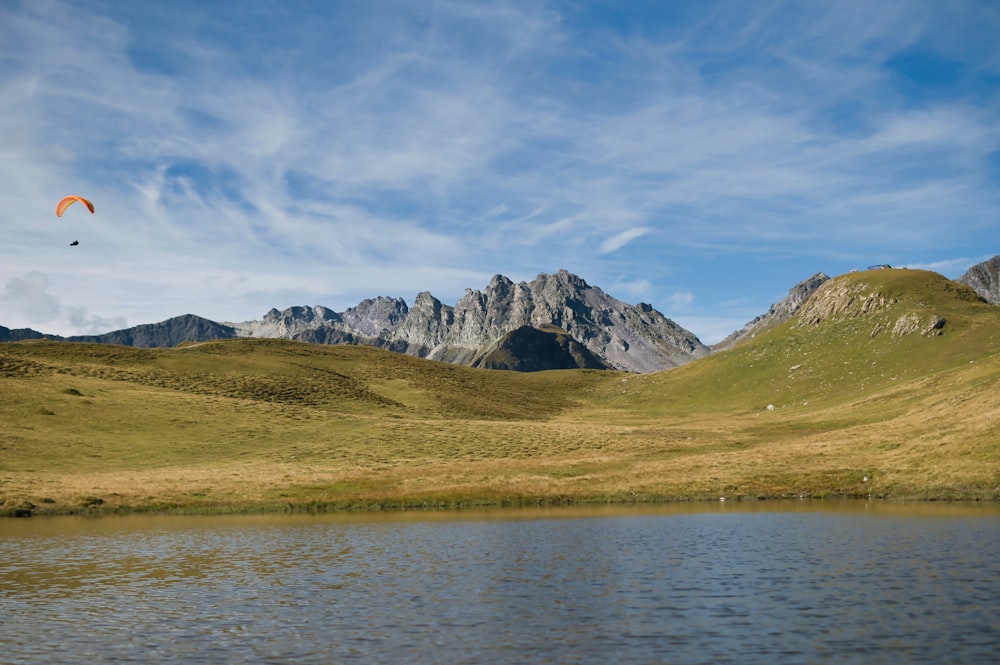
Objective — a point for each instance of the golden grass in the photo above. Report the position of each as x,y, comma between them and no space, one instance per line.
250,425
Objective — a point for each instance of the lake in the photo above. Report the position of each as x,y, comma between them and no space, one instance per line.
810,582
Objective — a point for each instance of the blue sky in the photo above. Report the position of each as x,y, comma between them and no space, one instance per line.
699,156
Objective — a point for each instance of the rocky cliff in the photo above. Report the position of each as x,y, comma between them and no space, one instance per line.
984,278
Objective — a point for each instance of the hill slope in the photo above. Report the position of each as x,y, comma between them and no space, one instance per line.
888,374
882,384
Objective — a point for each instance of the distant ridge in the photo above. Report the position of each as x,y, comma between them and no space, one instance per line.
21,334
554,321
186,328
561,321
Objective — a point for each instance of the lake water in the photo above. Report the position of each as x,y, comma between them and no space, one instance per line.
781,583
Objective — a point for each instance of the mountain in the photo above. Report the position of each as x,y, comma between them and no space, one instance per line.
779,312
984,278
634,338
528,349
187,328
560,318
19,334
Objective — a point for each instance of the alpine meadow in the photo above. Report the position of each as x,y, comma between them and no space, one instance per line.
882,385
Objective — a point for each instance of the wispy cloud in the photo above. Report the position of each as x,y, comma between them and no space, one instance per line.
620,240
263,154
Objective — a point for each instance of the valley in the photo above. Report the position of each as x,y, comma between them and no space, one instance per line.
840,400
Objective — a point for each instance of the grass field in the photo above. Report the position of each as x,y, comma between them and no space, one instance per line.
885,386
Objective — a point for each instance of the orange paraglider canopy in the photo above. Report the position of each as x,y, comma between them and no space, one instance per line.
70,200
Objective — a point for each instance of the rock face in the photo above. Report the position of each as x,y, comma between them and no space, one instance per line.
528,349
632,338
779,312
984,278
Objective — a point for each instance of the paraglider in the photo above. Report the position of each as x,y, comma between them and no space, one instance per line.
67,201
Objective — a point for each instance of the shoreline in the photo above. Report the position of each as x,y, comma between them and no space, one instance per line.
26,509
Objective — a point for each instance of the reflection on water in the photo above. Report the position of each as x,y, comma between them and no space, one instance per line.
681,584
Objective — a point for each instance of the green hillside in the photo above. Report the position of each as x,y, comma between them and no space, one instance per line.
884,384
863,333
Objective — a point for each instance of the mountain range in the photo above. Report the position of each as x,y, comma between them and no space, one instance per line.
553,322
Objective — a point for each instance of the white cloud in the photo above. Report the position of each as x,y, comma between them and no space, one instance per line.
681,301
29,295
951,268
363,152
84,324
620,240
632,290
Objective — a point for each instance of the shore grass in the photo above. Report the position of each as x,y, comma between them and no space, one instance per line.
825,410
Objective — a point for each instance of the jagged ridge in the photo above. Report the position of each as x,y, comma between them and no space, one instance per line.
594,329
634,338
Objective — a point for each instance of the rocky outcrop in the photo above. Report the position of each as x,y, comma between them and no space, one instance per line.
844,299
779,312
984,278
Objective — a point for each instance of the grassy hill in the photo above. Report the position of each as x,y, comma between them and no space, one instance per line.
884,384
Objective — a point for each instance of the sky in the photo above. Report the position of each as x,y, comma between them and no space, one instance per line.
702,157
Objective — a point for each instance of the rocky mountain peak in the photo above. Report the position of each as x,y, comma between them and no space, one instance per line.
376,316
984,278
185,328
631,338
286,323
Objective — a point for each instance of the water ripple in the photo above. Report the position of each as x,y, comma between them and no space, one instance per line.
714,588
